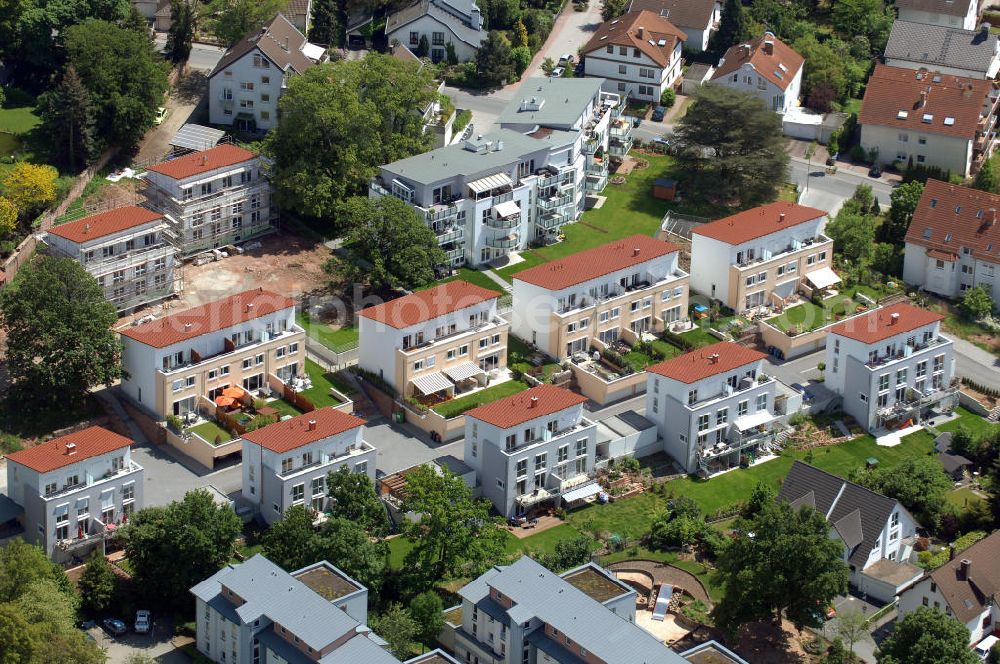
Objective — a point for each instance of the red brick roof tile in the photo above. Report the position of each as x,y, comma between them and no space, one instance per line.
625,31
56,453
949,217
525,406
768,65
758,222
197,163
426,305
293,433
702,363
880,324
103,224
593,263
207,318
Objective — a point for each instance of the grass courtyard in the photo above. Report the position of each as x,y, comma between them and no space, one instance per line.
459,405
211,430
337,340
808,316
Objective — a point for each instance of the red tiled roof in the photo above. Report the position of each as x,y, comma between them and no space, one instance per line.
698,364
523,407
894,91
695,14
55,454
766,64
295,432
597,262
758,222
637,30
197,163
943,255
427,305
211,317
105,223
968,216
878,325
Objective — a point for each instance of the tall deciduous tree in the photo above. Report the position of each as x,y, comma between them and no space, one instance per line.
125,76
8,217
58,333
454,532
174,547
354,499
231,20
918,484
781,562
290,542
426,610
731,146
495,60
23,564
927,636
180,36
398,627
734,27
864,17
339,122
97,584
388,245
611,9
68,120
988,177
30,187
976,303
903,203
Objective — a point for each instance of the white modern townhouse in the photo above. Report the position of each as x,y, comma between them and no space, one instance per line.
441,24
244,87
73,491
524,613
877,532
698,19
638,55
953,13
126,249
436,342
532,448
953,242
497,192
257,613
965,588
944,49
212,198
767,68
929,119
714,407
180,362
762,256
564,306
286,463
891,367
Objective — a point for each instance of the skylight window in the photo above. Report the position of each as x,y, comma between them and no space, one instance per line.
933,203
779,75
949,121
662,42
927,233
782,67
958,208
979,215
928,118
902,115
936,79
947,238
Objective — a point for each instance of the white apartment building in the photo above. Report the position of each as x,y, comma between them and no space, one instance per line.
953,242
125,249
954,13
74,490
286,463
762,256
176,362
212,198
928,118
257,613
714,406
440,23
765,67
532,448
564,306
638,55
698,19
496,193
244,87
891,366
434,342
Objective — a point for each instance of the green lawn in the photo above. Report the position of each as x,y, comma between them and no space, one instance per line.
977,426
473,277
461,404
963,498
338,341
668,350
518,347
700,336
284,408
319,393
18,120
705,574
808,316
210,430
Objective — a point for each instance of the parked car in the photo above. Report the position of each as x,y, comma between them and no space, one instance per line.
566,58
983,648
114,626
143,621
875,171
658,113
161,115
636,121
557,72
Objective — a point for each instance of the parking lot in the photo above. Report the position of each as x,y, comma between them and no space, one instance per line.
158,644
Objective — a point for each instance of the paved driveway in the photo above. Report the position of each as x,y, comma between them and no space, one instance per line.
865,649
156,645
403,446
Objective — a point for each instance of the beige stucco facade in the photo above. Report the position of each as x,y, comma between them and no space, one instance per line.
805,260
486,347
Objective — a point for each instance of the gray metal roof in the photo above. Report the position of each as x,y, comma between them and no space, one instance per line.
537,592
941,45
565,100
196,137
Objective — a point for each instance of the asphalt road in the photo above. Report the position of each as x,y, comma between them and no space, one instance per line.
828,192
203,57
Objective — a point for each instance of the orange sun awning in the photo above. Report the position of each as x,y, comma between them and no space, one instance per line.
234,392
224,401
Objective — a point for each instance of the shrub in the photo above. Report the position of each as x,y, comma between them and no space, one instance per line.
175,423
668,97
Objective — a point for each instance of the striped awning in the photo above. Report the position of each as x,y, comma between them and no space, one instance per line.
463,371
432,382
490,182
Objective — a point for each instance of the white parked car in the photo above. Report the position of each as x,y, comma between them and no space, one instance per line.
143,622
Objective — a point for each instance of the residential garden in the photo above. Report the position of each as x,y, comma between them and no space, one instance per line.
817,312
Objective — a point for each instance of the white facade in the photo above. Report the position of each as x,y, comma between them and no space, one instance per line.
966,22
634,77
248,90
748,79
950,276
440,29
927,593
951,153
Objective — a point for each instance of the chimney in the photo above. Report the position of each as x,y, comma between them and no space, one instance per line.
893,319
86,228
187,327
769,47
249,307
639,32
713,358
635,251
951,552
991,217
312,425
534,402
781,217
70,449
964,567
984,29
923,99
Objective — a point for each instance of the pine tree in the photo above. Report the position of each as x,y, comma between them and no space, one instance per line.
182,28
734,27
68,120
323,29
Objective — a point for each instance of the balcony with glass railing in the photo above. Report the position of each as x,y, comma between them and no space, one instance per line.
502,223
89,480
554,202
511,241
450,234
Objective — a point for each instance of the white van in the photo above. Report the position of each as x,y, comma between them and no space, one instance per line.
983,649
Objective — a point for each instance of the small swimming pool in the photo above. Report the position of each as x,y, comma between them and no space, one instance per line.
700,307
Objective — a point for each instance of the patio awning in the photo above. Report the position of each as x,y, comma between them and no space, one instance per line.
581,492
536,496
823,277
463,371
507,209
490,182
432,382
755,420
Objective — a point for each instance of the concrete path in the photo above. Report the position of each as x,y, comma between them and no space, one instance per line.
665,574
498,280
